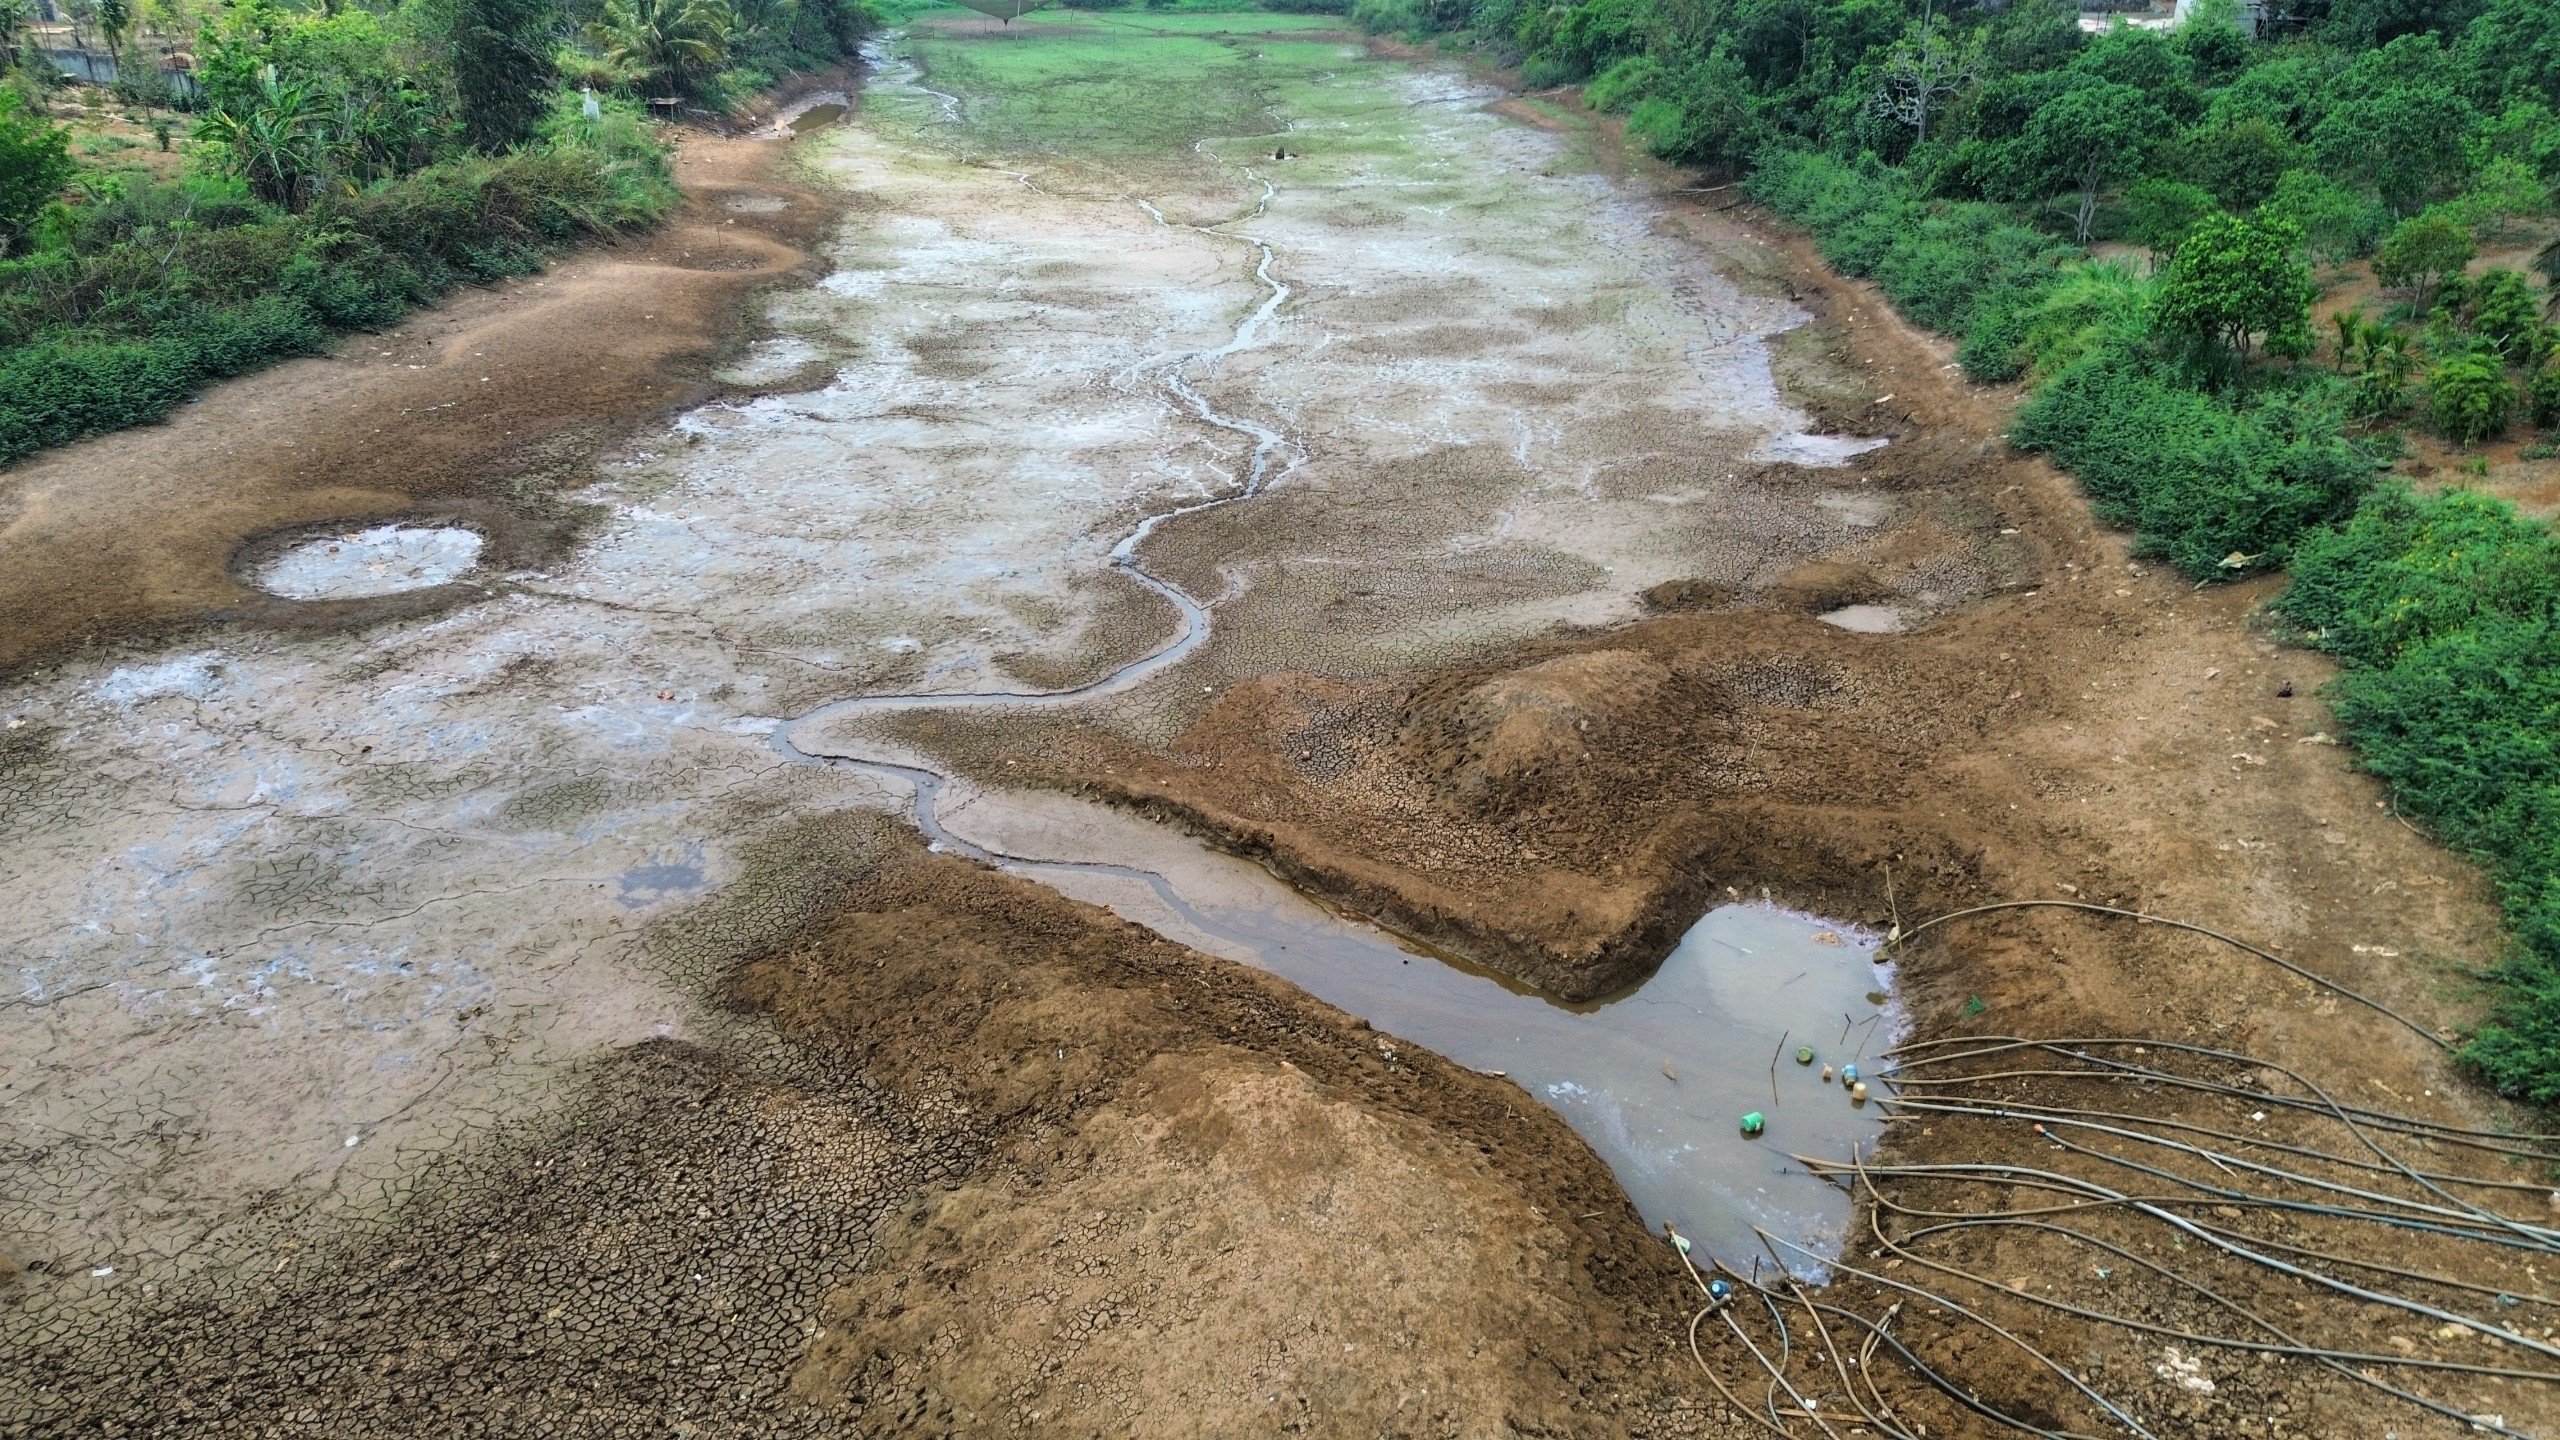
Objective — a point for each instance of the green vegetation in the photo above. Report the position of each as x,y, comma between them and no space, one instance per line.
1964,154
1085,90
342,163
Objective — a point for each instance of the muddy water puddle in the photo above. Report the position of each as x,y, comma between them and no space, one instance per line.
1659,1080
383,560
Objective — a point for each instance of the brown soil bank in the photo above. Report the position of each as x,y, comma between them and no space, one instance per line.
478,408
1000,1164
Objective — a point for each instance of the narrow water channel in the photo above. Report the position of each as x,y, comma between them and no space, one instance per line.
1693,1087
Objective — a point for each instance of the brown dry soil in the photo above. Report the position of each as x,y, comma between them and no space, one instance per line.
2100,730
1005,1163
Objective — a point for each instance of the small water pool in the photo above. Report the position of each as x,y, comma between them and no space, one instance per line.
1657,1080
384,560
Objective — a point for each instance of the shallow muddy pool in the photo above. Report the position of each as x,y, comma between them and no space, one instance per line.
1658,1080
383,560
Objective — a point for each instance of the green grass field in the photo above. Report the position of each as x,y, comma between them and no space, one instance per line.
1112,86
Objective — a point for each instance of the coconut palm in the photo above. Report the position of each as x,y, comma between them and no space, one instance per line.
673,42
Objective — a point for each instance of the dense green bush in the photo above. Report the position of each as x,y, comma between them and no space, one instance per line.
115,338
2468,397
2409,569
1963,268
61,388
2447,609
2543,395
2214,488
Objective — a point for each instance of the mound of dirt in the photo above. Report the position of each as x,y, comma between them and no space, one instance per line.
1827,585
1514,728
1687,595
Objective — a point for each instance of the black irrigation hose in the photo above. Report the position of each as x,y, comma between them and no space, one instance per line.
2342,1362
1904,937
2456,1218
1958,1308
2456,1229
2548,1239
2073,1047
2221,1242
1904,1102
2290,1347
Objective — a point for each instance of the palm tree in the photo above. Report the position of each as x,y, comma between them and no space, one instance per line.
674,41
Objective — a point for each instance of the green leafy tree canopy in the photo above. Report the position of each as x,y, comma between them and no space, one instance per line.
2241,282
35,163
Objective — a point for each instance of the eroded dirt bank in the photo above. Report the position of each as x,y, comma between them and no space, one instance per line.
475,1025
482,408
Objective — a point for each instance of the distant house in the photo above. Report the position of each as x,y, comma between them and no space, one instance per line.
2253,17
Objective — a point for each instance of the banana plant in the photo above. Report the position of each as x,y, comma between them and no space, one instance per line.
276,143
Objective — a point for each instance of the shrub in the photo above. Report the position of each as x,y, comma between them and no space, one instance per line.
1388,17
2505,314
2409,568
35,163
2469,399
2091,307
2214,489
2421,251
1962,268
62,389
1623,85
2443,607
2543,395
117,337
2465,729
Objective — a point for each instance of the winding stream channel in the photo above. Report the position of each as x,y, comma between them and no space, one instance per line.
296,912
1651,1078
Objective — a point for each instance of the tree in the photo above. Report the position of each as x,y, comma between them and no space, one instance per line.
2159,213
2240,159
2215,40
1926,69
2513,50
115,22
678,42
2421,251
502,67
35,163
2399,124
15,17
2084,139
2236,280
2336,223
